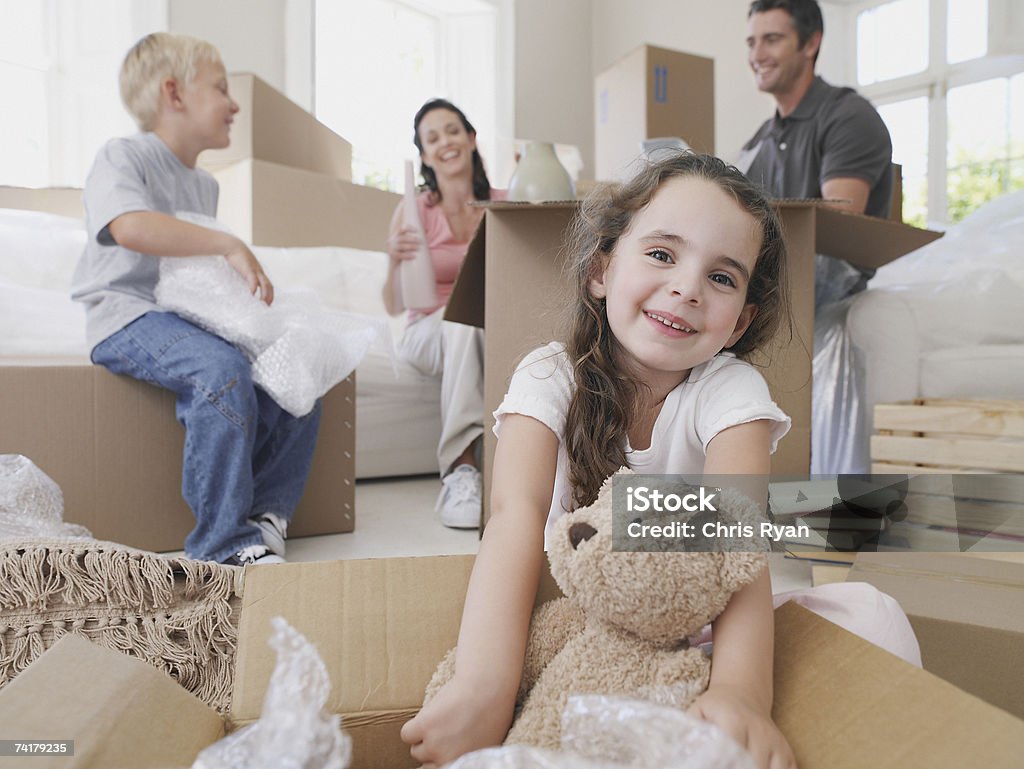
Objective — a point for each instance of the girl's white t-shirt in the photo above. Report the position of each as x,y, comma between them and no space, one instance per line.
718,394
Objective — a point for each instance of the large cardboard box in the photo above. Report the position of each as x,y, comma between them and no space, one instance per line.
651,93
514,269
114,447
382,625
268,204
967,611
270,126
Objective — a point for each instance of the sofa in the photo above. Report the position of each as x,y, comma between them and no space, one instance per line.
944,321
398,419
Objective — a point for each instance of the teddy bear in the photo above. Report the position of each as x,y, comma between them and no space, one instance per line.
623,625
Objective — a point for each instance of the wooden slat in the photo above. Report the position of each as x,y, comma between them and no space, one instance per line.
936,510
984,418
992,455
881,468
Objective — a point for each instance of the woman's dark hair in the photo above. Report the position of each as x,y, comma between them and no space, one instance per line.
481,184
604,402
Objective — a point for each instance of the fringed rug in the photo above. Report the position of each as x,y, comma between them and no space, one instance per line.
174,613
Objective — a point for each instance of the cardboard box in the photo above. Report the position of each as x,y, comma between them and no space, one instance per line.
381,626
650,93
267,204
967,612
120,712
63,201
514,268
270,126
114,447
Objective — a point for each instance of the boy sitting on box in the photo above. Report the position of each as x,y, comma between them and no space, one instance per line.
245,460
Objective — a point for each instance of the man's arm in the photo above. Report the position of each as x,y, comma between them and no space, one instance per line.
852,192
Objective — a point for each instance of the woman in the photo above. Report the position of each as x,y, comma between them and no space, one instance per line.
453,176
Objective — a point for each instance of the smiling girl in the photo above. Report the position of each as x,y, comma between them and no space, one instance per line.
679,274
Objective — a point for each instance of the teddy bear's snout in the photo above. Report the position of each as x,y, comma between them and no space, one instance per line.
580,532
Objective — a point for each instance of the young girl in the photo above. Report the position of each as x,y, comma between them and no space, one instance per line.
679,274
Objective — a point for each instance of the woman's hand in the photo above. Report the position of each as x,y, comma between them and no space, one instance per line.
741,719
245,263
460,719
404,245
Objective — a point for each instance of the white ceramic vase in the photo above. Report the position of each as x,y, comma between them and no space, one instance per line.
539,176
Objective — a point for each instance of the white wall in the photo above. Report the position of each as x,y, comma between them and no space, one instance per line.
554,83
250,34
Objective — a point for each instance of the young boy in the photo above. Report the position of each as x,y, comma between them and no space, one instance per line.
246,460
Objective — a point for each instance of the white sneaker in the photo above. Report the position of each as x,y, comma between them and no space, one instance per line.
254,555
459,501
274,528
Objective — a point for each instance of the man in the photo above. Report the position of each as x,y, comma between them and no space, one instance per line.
823,142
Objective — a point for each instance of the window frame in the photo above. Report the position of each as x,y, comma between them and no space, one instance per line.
934,83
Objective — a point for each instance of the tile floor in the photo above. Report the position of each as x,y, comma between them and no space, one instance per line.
395,517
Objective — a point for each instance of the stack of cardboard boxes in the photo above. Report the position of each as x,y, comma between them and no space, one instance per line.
111,443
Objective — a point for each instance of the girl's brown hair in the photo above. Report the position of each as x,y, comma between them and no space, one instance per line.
605,398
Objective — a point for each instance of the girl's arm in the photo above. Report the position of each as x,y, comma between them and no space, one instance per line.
474,709
739,697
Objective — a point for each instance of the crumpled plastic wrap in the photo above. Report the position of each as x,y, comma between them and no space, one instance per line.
299,349
604,732
294,731
31,502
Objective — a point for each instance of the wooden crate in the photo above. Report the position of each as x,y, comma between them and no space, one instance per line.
965,459
948,436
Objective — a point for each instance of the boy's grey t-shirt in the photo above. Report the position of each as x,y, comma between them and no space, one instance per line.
135,173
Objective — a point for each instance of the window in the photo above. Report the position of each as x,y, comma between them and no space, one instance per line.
59,61
908,127
368,85
892,40
954,109
985,152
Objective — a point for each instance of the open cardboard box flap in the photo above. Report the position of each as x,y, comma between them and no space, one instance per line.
381,626
967,612
866,241
119,711
843,702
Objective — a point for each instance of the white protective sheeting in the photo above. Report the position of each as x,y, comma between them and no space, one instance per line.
398,419
942,321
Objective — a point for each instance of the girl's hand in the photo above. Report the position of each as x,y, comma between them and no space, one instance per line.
740,718
460,719
404,245
245,263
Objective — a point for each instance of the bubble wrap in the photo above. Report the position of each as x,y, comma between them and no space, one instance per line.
298,348
615,733
293,731
31,503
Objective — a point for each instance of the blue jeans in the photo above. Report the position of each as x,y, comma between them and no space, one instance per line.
244,455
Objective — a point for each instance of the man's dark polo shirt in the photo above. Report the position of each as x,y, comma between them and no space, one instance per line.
833,133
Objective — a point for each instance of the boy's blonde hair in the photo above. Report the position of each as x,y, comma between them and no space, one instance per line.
152,60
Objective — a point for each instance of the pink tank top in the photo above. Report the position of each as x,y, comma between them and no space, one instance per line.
446,252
